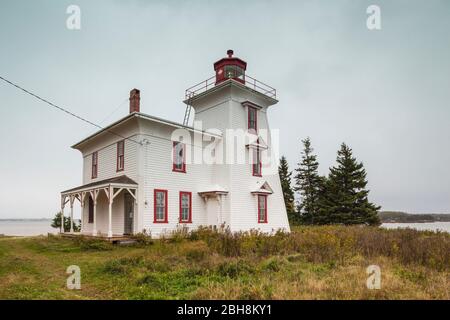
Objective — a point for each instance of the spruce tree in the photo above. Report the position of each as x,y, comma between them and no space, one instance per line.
288,193
56,223
308,183
344,198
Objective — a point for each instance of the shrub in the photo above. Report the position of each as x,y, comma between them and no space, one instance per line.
150,280
233,269
333,244
143,238
274,264
197,252
122,266
87,244
114,267
178,235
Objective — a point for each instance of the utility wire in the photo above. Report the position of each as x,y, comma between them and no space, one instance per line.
115,110
65,110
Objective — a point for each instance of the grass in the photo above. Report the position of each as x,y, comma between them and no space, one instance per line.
310,263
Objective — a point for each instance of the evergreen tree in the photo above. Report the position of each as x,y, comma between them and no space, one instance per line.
344,198
56,223
288,193
308,183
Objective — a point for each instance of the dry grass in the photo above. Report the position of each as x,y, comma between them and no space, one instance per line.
310,263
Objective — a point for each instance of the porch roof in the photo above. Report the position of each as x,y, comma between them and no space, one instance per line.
116,181
214,189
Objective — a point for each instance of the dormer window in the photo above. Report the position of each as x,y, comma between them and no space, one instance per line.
179,156
94,165
252,119
120,155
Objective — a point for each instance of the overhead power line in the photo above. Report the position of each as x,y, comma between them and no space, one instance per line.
65,110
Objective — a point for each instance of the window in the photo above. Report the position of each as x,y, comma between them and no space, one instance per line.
234,72
160,206
179,156
120,155
257,162
94,165
185,207
262,208
91,210
252,119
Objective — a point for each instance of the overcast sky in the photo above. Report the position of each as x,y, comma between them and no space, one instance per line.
385,93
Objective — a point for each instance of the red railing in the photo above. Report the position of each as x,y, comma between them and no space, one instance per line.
249,82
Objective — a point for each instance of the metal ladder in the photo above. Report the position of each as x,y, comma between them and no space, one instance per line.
187,113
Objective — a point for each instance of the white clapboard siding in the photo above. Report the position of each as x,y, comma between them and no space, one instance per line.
150,165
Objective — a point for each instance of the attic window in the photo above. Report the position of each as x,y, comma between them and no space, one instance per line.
120,155
94,165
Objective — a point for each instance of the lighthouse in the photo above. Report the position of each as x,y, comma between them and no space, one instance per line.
143,179
233,101
230,68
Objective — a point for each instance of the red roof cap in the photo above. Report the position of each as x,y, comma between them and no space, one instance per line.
230,60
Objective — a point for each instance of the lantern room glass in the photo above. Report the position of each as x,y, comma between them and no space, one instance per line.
234,72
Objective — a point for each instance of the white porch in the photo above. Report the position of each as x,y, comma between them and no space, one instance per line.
108,207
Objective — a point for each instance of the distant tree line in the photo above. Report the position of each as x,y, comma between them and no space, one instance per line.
339,198
403,217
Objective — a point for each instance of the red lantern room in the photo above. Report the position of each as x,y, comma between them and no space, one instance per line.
230,68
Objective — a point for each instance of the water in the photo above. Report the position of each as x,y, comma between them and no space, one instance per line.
433,226
26,227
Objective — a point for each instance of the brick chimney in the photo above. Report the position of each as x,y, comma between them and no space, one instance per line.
135,98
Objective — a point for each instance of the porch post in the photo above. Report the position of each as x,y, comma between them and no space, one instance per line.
111,196
220,209
219,202
135,214
63,199
71,213
82,195
94,225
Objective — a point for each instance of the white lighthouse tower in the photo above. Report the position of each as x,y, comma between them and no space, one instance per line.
236,103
